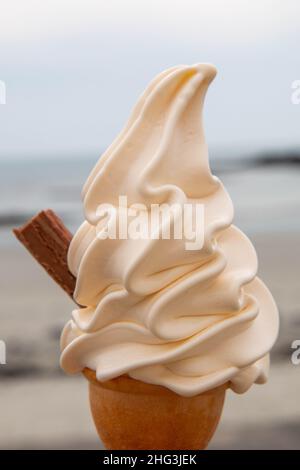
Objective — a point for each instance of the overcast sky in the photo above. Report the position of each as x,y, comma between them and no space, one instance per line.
73,70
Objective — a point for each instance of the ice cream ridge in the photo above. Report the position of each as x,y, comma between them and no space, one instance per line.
188,320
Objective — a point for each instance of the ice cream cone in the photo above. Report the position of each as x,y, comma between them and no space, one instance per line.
130,414
159,290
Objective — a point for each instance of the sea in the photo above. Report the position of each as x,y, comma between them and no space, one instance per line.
265,191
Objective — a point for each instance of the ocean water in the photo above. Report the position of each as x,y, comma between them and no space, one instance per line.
266,197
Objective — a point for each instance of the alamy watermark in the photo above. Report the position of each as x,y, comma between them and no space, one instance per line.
2,92
157,221
2,353
295,357
295,96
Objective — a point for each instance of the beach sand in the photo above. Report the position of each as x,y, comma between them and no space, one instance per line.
41,408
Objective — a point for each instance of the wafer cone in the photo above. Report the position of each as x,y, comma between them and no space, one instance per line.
130,414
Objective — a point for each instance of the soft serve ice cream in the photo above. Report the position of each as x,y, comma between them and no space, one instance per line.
188,320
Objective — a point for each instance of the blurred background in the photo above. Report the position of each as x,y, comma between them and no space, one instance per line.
72,72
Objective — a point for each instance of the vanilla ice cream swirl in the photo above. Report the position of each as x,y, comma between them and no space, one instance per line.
188,320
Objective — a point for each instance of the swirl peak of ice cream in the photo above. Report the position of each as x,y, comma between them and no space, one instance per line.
186,320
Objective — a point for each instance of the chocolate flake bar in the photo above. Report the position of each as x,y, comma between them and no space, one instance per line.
47,239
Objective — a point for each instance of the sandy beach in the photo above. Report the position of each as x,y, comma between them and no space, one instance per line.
41,408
